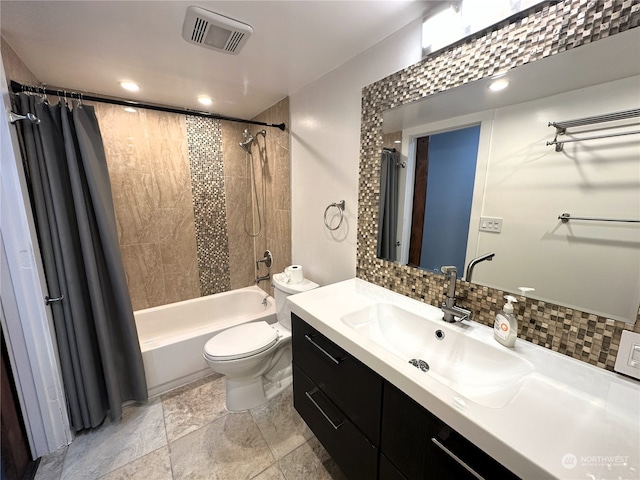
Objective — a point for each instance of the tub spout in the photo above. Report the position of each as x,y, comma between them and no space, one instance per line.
262,278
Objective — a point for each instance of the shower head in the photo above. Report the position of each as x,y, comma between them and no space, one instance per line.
246,145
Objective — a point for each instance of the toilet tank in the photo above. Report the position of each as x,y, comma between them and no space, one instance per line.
282,289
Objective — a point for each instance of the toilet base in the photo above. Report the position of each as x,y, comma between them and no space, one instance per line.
244,394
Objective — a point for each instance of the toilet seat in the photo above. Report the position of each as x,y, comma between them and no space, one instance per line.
242,341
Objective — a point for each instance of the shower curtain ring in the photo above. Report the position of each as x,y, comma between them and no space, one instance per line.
340,206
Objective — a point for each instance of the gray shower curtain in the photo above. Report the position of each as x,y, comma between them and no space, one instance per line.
70,191
388,207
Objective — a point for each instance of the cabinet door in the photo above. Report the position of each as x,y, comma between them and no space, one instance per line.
349,448
351,385
421,446
387,471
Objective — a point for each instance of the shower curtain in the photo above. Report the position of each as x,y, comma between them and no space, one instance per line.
70,193
388,207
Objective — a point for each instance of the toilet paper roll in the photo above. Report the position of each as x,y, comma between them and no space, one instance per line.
295,273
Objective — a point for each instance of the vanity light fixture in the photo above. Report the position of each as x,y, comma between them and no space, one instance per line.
130,109
499,84
442,28
131,86
397,141
204,100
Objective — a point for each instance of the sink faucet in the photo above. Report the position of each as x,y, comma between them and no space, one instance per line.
487,256
452,313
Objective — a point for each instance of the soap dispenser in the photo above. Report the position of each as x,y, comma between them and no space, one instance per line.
505,328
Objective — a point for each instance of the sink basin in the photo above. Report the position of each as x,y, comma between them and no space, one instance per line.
472,364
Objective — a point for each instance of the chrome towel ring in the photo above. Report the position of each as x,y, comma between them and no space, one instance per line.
340,206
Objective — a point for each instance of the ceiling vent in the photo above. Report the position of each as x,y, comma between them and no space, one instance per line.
215,31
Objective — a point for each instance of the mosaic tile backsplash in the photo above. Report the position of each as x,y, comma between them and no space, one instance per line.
547,29
204,140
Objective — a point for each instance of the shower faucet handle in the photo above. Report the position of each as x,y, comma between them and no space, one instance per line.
267,260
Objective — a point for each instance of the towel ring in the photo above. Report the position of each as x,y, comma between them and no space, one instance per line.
340,207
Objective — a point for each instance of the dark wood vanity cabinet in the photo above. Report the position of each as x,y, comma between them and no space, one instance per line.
371,429
339,398
419,445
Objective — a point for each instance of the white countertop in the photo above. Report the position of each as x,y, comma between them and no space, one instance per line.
568,419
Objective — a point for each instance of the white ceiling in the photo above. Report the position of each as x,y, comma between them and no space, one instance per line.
92,45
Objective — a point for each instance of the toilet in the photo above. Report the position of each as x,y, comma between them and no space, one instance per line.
256,357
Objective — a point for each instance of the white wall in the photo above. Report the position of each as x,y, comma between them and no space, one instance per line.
325,151
591,265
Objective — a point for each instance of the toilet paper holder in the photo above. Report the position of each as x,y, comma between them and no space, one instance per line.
340,206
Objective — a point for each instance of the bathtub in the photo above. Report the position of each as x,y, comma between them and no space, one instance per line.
172,337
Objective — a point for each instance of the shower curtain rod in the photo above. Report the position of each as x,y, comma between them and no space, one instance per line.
59,92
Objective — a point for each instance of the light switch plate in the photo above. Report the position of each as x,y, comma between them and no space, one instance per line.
491,224
628,358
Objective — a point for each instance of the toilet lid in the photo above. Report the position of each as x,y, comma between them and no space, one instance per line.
241,341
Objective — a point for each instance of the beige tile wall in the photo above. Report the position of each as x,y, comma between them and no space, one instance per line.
148,159
149,169
272,162
277,174
236,181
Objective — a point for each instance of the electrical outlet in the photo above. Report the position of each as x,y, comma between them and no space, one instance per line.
491,224
628,358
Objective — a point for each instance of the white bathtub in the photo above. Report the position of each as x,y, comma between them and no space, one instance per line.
172,337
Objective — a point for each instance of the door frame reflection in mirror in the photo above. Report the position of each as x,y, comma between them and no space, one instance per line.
448,180
410,138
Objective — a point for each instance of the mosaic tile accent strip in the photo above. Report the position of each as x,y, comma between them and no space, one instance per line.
546,29
204,140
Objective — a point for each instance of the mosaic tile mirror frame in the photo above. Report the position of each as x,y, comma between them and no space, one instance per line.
547,29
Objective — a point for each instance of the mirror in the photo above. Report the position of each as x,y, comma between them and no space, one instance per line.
521,185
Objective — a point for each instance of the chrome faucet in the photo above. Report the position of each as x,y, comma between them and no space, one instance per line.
452,313
487,256
267,260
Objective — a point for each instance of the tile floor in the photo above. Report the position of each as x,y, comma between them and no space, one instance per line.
188,434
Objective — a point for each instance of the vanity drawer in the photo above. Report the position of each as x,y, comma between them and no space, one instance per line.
421,446
349,448
352,386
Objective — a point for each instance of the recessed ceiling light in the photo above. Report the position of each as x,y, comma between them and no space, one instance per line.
130,109
204,100
499,84
132,87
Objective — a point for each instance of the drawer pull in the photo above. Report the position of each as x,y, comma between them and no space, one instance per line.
310,394
457,459
335,360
